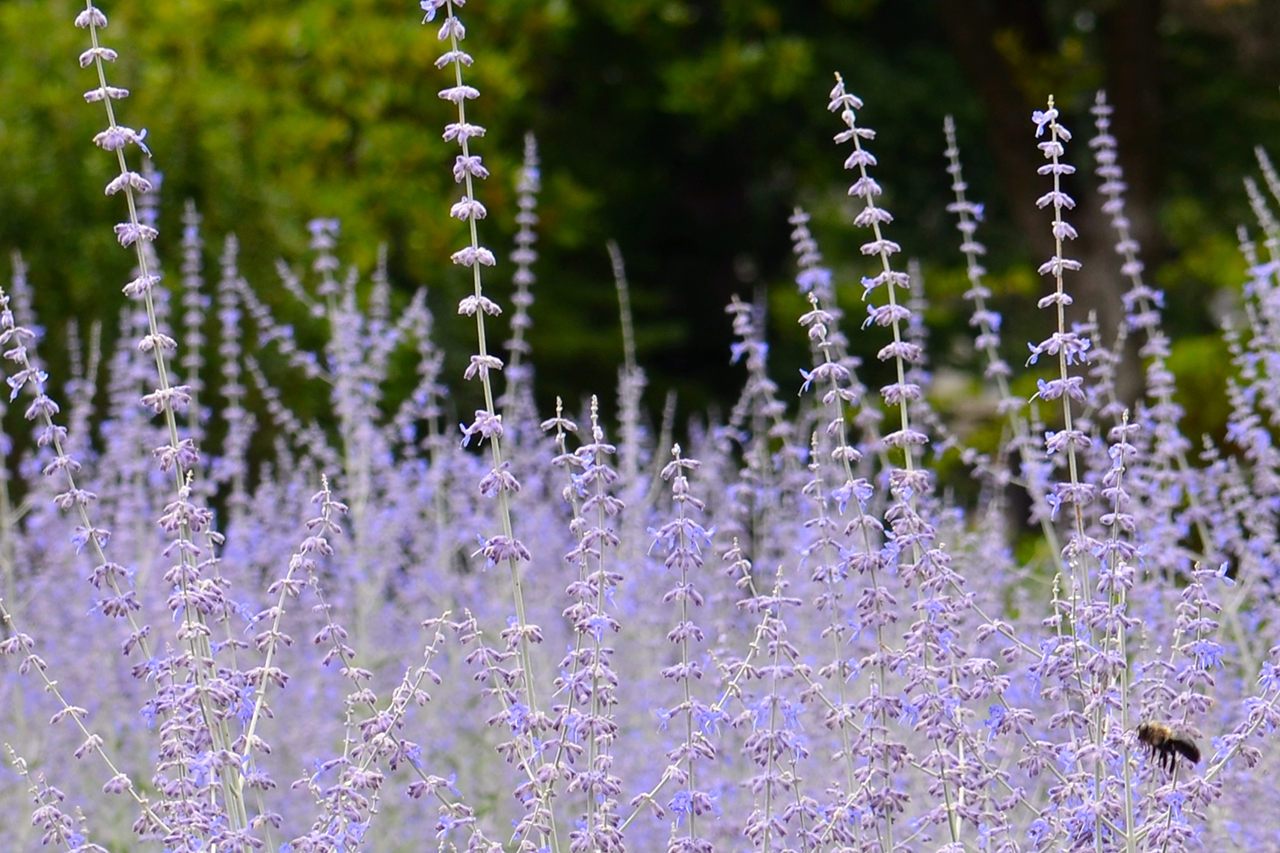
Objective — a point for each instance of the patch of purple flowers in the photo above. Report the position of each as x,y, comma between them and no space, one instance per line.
512,634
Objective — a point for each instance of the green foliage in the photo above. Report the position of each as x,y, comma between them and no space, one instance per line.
1202,364
684,130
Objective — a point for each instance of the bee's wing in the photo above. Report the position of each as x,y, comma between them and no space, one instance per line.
1187,748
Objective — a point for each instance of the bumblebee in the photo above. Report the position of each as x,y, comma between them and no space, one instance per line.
1165,744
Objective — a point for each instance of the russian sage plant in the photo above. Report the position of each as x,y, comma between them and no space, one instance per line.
380,630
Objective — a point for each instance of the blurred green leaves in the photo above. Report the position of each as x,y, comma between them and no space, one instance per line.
685,130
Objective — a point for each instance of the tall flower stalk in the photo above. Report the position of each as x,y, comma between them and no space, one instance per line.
1067,346
197,698
930,653
683,540
987,322
502,548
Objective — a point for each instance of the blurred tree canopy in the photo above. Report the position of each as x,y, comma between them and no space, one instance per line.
685,130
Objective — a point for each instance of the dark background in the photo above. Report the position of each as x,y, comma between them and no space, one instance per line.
687,131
